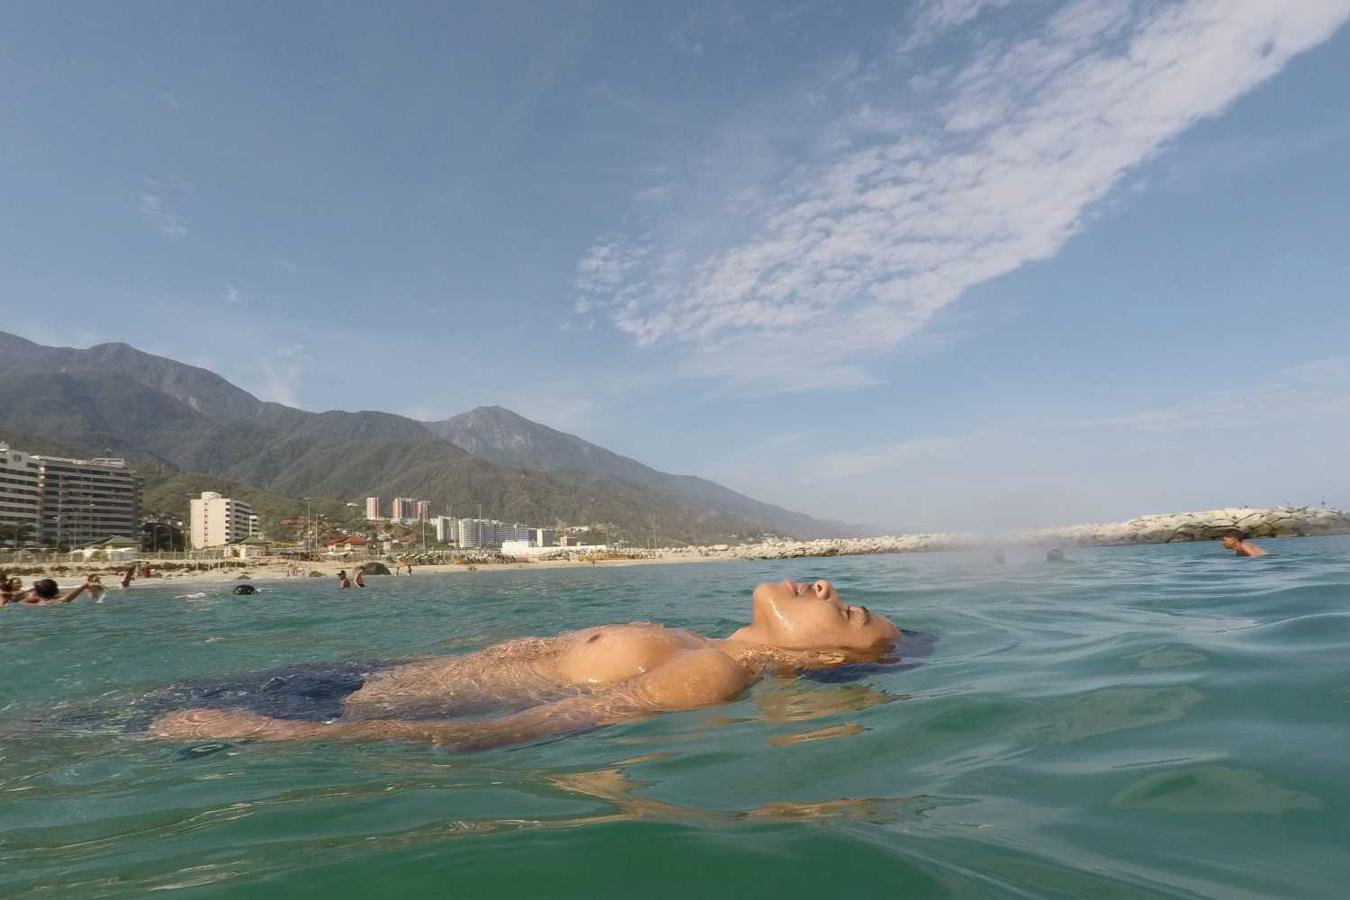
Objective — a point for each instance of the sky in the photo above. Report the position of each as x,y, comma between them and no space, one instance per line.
931,265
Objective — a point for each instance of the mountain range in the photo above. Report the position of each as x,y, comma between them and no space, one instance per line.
177,419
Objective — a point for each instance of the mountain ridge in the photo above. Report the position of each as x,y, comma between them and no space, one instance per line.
115,398
500,435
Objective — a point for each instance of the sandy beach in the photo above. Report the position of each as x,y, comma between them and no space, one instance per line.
263,571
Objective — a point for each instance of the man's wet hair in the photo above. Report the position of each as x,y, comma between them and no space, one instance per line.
46,588
915,647
1233,533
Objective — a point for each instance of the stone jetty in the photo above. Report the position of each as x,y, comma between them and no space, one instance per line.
1164,528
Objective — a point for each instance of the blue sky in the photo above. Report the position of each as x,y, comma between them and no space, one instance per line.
925,265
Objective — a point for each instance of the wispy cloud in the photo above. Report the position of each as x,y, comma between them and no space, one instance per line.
1310,392
1238,439
999,168
863,461
233,296
937,17
283,373
156,211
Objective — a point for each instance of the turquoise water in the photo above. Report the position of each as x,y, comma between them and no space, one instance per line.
1156,721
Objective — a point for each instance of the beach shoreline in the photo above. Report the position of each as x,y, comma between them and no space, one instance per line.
1254,522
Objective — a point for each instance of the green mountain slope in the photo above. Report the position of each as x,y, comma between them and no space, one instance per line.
168,419
509,439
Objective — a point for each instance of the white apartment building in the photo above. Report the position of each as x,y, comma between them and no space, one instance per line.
424,510
447,529
20,491
490,533
373,509
404,509
218,520
87,500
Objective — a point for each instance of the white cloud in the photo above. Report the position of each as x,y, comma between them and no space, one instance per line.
937,17
283,373
233,296
1313,391
859,251
863,461
156,211
1247,435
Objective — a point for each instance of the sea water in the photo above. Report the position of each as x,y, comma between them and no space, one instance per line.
1151,721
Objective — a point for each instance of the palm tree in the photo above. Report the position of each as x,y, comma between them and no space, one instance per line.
17,533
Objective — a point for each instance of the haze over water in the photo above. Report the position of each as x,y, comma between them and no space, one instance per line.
1150,721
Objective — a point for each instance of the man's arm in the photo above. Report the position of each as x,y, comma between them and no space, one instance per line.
697,678
75,593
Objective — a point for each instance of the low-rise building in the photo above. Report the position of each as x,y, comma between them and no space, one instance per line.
250,548
352,543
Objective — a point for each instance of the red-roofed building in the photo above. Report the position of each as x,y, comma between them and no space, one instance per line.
352,543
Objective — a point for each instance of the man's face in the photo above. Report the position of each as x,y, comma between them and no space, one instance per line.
1230,542
801,616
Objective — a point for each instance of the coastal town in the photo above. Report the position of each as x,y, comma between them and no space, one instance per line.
92,508
56,511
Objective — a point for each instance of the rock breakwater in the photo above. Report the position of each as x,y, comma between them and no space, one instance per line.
1252,522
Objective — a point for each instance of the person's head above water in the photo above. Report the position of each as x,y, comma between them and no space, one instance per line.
1231,540
45,588
801,616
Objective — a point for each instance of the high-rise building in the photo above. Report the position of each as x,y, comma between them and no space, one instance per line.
424,510
447,529
404,509
218,520
490,533
475,533
545,537
373,509
87,500
20,494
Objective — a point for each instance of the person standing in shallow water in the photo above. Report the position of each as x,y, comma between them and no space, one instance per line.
343,581
574,681
1239,546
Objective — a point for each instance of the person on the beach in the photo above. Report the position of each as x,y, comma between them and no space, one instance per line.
127,576
575,681
360,580
343,581
1241,547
